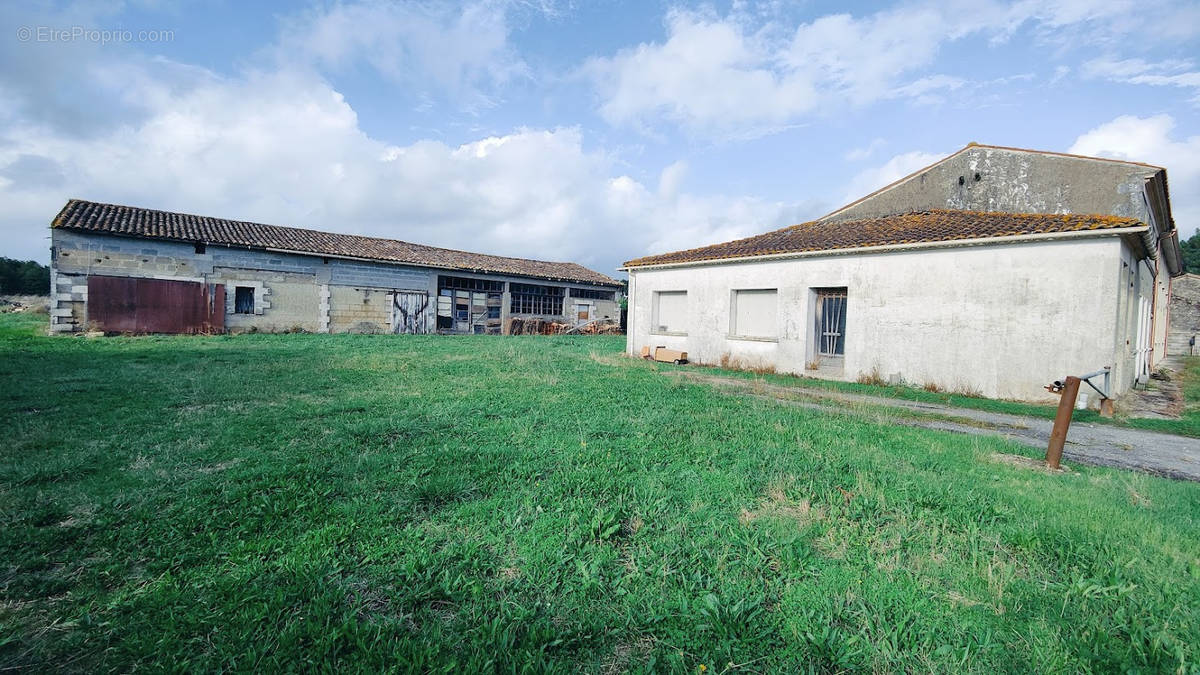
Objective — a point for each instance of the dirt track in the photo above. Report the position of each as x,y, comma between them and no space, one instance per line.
1097,444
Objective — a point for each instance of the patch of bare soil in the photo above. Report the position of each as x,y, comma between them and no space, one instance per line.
1028,463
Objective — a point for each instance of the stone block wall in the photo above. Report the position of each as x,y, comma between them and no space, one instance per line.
291,291
1185,314
283,301
359,310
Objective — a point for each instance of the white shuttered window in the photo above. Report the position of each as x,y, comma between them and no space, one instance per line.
670,312
755,314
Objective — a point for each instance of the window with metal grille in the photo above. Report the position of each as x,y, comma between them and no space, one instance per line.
593,294
534,299
831,322
243,300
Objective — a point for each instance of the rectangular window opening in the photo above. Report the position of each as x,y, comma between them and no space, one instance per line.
243,300
593,294
535,299
669,312
469,284
831,322
754,314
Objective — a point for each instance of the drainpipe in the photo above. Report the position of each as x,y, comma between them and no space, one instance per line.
1169,245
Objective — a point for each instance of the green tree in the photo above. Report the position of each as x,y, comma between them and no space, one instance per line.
23,277
1191,253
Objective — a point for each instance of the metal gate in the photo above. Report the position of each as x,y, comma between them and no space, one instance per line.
133,305
410,313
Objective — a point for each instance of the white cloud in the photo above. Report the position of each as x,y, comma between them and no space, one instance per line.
460,52
865,152
721,75
1150,140
1172,73
286,148
899,166
709,73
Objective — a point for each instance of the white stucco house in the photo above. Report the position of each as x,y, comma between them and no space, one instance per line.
994,271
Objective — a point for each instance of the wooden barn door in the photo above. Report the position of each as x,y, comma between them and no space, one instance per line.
411,313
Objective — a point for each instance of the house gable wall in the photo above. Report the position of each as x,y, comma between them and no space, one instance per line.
1013,181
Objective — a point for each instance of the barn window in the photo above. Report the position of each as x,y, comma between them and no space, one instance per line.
243,300
200,248
535,299
593,294
754,314
669,312
831,322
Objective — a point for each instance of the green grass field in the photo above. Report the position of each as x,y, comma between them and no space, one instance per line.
267,502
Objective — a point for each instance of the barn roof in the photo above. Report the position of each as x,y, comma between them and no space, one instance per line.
132,221
903,228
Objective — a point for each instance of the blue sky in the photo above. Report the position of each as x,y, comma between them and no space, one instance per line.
585,131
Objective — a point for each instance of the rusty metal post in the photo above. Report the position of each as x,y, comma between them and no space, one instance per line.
1062,421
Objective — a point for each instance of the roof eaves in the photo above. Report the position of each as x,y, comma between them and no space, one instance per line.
633,265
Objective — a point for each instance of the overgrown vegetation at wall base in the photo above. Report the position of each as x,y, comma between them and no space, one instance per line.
268,502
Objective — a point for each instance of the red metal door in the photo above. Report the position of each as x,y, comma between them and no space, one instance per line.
129,305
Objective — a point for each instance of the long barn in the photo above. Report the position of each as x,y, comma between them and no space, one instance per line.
128,269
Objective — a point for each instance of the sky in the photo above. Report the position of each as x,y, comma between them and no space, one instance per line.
592,132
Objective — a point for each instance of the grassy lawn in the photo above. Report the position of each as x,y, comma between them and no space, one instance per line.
1187,425
504,504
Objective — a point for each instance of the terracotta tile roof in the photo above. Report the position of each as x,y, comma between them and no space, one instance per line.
902,228
132,221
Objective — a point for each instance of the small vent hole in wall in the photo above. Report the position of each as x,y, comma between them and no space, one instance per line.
978,177
962,180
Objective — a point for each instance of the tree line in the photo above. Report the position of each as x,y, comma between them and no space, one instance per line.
26,277
1191,253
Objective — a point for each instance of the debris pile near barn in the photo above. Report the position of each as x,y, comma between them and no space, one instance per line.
521,326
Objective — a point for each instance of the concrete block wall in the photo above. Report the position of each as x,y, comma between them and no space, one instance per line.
305,292
283,301
291,291
359,310
68,302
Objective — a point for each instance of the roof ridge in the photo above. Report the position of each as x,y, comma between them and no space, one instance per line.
1055,153
925,226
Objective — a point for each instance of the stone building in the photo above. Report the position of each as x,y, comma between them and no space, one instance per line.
122,268
993,271
1184,336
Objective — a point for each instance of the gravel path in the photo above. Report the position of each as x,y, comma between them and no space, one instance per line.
1097,444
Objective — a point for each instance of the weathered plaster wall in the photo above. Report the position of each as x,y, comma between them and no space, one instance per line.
1185,314
1002,320
1014,181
